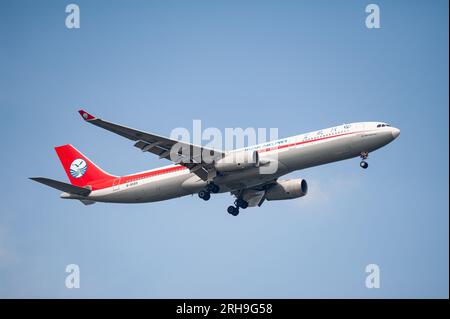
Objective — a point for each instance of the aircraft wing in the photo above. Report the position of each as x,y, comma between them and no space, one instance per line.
164,147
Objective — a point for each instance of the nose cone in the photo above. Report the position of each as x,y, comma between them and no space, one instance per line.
395,132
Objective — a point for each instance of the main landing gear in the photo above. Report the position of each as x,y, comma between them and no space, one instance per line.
233,210
213,188
239,203
205,194
364,156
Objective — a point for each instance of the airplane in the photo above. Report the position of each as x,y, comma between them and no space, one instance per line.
224,172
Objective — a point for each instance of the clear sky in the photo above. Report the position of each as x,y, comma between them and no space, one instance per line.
295,65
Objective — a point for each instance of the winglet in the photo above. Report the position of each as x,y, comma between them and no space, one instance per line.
86,116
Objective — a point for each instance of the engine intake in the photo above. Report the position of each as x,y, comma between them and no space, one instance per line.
287,189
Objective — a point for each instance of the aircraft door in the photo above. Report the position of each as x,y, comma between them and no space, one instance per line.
116,184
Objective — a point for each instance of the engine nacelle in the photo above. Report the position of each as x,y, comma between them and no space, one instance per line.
237,161
287,189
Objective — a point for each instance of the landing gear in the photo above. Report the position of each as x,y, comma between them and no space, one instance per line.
364,164
213,188
241,203
233,210
205,195
364,156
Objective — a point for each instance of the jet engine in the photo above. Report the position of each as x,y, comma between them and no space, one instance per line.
287,189
237,161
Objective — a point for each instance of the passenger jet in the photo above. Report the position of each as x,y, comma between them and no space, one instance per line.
229,171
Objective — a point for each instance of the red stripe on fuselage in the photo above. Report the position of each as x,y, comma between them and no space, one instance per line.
131,178
302,142
134,177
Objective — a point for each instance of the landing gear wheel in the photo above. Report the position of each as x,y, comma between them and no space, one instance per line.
364,156
205,195
241,203
364,164
213,188
233,210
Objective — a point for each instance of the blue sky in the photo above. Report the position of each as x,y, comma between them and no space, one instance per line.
295,65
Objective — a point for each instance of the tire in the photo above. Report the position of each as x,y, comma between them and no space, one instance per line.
241,203
215,189
207,196
233,210
364,164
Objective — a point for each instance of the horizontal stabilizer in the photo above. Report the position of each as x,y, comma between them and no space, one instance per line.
64,187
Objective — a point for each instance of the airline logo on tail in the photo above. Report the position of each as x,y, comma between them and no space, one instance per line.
78,168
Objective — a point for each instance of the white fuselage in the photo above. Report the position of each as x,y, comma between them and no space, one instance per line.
290,154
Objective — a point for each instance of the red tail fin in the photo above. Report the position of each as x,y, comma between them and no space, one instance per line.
80,170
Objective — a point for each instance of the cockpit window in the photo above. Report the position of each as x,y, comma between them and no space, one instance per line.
379,125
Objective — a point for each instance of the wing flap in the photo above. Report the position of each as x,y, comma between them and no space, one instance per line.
256,195
254,198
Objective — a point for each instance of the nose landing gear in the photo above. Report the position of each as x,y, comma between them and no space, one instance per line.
364,156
